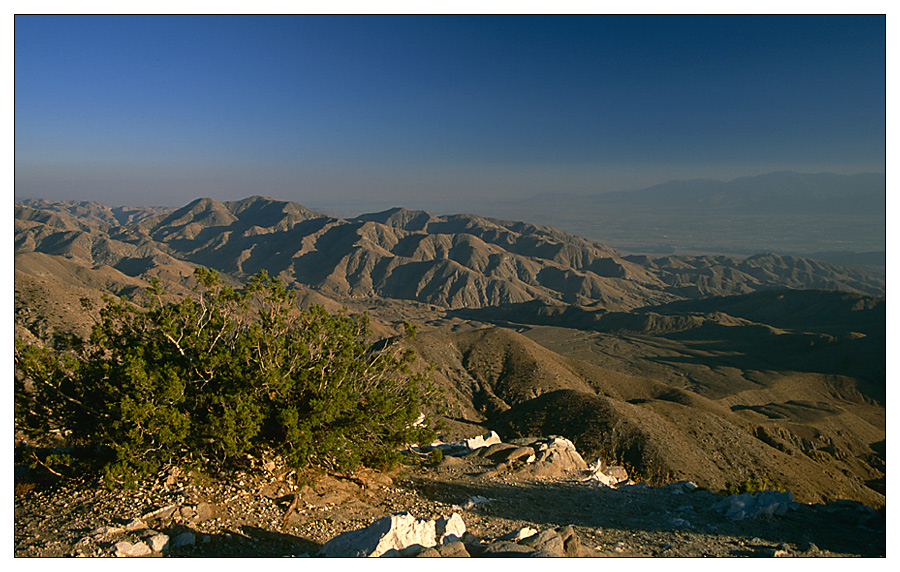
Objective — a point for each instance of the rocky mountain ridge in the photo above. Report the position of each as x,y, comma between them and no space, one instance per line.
458,261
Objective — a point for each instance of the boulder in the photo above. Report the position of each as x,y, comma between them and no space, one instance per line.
495,449
556,457
392,534
524,454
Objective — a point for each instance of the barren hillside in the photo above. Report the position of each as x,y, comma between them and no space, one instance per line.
708,368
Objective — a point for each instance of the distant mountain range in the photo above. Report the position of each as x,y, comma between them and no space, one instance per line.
457,261
784,192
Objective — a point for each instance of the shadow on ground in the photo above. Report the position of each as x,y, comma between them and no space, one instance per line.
656,510
245,542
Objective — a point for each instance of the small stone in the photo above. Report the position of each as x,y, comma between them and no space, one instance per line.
565,532
163,513
686,486
470,539
449,528
634,487
127,549
108,530
618,473
519,534
547,540
136,524
506,549
485,440
183,539
159,542
572,546
204,511
475,501
511,453
494,450
453,550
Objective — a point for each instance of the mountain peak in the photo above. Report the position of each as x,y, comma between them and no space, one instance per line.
266,212
399,217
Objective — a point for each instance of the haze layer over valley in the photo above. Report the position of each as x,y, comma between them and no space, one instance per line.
709,368
836,218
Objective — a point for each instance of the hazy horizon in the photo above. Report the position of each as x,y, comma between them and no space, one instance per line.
420,111
369,205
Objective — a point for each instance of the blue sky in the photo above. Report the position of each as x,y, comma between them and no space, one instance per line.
418,110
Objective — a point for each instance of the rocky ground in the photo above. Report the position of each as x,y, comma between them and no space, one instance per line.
264,510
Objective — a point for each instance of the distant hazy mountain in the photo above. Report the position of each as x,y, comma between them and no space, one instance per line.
786,213
779,192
